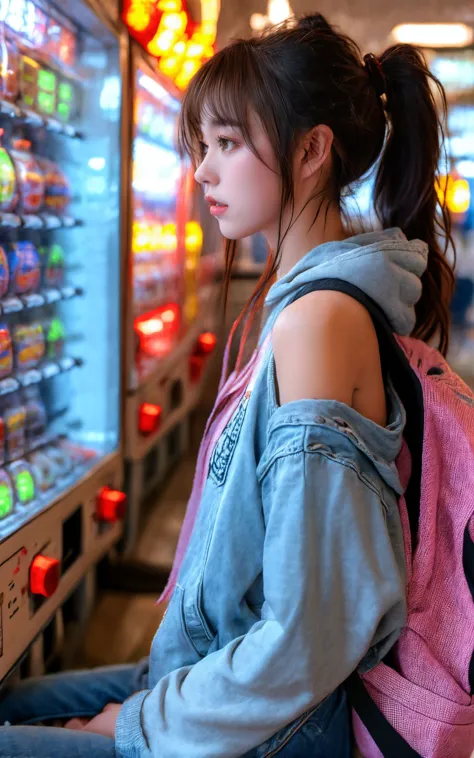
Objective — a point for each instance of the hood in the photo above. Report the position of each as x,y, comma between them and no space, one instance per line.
384,265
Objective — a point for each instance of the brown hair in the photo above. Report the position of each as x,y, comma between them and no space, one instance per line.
303,74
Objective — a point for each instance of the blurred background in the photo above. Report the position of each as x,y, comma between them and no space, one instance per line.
111,330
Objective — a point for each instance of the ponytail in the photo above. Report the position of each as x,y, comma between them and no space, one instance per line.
405,188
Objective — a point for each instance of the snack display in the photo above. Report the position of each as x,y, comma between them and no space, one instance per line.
24,268
9,67
14,418
4,271
7,496
44,470
2,441
6,352
30,178
53,265
55,334
28,345
36,416
57,195
23,481
8,183
61,157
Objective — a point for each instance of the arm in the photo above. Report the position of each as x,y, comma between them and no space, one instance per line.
331,587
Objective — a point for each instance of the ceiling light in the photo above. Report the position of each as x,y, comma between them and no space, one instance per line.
258,22
434,35
278,11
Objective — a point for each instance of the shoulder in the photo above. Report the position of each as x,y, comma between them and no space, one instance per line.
320,344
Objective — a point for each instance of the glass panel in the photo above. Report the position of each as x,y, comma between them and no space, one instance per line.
158,252
59,257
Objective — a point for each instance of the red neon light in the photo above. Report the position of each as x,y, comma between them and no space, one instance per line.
157,330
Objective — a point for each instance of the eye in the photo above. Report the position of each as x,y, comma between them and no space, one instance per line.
226,144
203,148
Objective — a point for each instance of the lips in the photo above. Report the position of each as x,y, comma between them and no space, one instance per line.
215,203
216,208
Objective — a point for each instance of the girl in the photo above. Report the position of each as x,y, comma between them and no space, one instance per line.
289,574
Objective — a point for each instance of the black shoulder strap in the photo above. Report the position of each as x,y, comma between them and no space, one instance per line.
396,365
390,743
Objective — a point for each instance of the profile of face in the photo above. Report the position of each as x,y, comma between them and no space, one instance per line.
242,183
243,189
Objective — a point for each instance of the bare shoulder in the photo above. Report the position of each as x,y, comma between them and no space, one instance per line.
321,345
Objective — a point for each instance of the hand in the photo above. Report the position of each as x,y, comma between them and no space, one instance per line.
104,723
75,723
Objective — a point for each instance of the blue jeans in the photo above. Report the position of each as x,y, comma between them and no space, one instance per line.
323,732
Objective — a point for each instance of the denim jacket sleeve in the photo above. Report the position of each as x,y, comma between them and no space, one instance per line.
333,590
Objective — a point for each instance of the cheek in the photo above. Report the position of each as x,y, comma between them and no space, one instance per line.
258,186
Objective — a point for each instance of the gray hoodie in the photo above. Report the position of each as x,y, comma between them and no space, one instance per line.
294,575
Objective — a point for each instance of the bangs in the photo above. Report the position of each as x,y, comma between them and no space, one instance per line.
223,90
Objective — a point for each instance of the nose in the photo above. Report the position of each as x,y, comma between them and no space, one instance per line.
205,173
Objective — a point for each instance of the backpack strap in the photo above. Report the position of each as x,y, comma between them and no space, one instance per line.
396,365
390,742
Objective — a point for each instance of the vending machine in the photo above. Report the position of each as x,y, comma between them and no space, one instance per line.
172,294
61,505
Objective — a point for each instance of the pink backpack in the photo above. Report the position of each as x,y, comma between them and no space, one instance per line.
419,701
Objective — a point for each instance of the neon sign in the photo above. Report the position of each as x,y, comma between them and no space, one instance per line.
165,29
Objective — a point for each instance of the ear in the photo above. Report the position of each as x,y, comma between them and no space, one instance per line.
315,148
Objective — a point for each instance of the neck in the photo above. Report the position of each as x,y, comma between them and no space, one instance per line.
305,235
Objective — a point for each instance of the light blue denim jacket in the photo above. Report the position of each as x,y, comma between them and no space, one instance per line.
294,575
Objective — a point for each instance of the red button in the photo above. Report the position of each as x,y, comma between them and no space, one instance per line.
206,343
149,416
44,576
110,505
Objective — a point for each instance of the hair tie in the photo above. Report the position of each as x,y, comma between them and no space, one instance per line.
376,75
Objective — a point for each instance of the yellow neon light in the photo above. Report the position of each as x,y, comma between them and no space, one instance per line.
170,6
139,13
455,193
175,22
161,43
459,200
179,56
193,237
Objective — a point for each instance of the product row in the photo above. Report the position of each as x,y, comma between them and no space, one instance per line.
29,183
25,480
24,345
25,269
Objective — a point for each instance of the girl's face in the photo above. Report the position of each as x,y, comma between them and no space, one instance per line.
243,190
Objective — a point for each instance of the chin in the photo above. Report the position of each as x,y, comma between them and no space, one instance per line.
235,232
